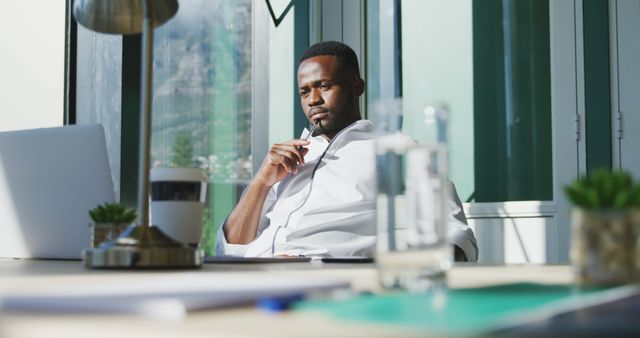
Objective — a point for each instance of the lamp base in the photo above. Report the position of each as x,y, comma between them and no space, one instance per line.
143,247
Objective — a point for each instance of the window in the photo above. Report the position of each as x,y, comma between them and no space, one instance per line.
98,90
201,97
487,62
202,100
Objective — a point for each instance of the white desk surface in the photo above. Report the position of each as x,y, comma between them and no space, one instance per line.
32,275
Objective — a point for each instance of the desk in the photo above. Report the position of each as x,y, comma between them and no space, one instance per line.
28,275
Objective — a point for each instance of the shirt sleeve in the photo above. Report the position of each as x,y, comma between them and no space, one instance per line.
459,232
224,248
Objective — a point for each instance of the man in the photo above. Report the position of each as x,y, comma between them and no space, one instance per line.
317,197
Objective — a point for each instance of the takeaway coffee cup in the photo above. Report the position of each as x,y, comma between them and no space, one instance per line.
177,202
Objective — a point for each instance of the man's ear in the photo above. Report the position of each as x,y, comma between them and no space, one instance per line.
358,87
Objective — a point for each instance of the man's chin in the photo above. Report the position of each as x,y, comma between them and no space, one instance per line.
331,128
324,129
321,126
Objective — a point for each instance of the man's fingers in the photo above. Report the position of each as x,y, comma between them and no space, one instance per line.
289,151
292,165
280,157
284,154
298,142
299,147
288,154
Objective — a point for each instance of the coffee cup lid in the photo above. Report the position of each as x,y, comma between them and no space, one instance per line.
177,175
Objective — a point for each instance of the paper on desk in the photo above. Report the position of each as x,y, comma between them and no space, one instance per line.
163,296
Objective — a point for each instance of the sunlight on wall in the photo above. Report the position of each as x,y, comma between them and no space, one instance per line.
281,75
32,36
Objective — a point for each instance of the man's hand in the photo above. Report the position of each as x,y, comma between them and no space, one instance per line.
281,160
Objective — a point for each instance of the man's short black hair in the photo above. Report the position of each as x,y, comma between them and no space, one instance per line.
345,56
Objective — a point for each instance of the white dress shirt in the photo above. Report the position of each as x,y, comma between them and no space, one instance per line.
329,207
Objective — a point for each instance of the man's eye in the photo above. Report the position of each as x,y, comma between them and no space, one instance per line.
324,86
303,93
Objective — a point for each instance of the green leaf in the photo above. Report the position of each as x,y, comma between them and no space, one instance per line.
621,201
577,195
594,199
634,196
604,189
112,213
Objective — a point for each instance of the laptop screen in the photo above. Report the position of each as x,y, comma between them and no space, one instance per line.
49,179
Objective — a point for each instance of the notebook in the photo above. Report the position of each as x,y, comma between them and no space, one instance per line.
49,179
254,260
506,310
284,259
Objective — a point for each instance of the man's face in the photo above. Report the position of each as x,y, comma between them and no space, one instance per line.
328,94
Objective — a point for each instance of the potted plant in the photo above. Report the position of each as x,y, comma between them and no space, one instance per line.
109,220
605,248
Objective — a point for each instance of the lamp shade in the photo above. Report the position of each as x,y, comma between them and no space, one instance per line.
121,16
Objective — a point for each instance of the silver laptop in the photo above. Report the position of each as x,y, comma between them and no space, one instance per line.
49,179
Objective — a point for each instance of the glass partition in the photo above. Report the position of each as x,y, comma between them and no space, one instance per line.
202,100
99,88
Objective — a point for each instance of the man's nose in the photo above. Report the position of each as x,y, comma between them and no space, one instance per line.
314,98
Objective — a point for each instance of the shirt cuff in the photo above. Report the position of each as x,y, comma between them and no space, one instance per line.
224,248
466,241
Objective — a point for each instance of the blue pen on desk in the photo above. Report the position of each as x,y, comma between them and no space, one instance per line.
278,303
306,138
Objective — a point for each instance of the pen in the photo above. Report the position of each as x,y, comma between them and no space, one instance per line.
308,135
279,303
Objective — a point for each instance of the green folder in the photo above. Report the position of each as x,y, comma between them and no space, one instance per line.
458,311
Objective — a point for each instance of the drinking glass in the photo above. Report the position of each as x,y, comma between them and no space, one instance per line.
412,208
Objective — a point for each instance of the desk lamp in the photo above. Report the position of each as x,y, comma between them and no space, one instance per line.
143,245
